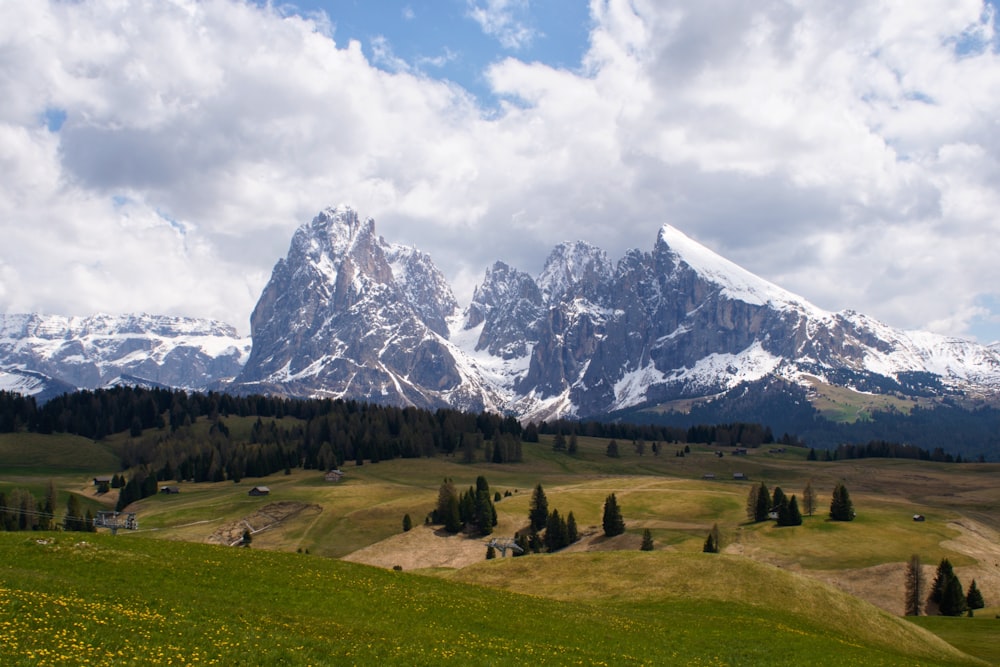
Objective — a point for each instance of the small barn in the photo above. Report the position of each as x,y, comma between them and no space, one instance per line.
708,475
918,517
103,479
740,475
170,490
259,491
334,476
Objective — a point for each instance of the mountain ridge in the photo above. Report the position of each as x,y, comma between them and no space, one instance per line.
347,314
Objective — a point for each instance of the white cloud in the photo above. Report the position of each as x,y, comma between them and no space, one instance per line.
848,151
504,20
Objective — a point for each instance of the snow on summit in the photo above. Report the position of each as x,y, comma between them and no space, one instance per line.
736,282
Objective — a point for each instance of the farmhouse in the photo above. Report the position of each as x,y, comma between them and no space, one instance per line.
170,489
103,479
259,491
740,475
334,476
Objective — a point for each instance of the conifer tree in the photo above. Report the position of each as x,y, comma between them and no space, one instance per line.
647,541
556,532
453,516
763,503
973,598
571,530
613,522
952,598
491,553
791,515
779,503
445,493
751,508
712,545
809,499
612,449
914,592
538,510
47,521
407,523
74,517
573,445
841,508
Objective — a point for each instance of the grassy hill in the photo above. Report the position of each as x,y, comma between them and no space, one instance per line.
70,599
775,596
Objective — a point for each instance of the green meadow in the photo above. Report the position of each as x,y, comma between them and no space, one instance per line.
317,586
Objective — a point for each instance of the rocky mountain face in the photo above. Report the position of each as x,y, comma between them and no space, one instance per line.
348,314
43,355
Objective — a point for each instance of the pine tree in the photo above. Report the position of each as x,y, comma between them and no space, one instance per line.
613,522
571,530
841,508
538,510
407,523
779,504
49,508
809,499
763,506
792,515
943,573
74,517
491,553
453,516
647,541
573,445
751,508
612,449
914,593
712,541
973,598
556,532
559,443
952,598
445,493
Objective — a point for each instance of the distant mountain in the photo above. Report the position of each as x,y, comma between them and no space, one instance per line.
348,314
91,352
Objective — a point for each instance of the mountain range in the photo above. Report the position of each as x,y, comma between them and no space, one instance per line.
348,314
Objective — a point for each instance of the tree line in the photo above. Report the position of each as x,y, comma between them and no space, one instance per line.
21,510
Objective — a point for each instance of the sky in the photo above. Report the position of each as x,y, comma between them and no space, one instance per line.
157,155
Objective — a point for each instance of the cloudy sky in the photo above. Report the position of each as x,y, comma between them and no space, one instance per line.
157,155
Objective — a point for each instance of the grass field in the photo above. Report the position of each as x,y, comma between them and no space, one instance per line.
67,599
775,596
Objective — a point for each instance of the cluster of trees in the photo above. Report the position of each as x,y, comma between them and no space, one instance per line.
763,505
548,530
20,510
324,434
946,593
471,511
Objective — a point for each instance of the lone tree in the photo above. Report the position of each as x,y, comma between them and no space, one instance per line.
647,541
712,541
407,523
538,510
809,499
841,508
613,522
914,579
612,449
